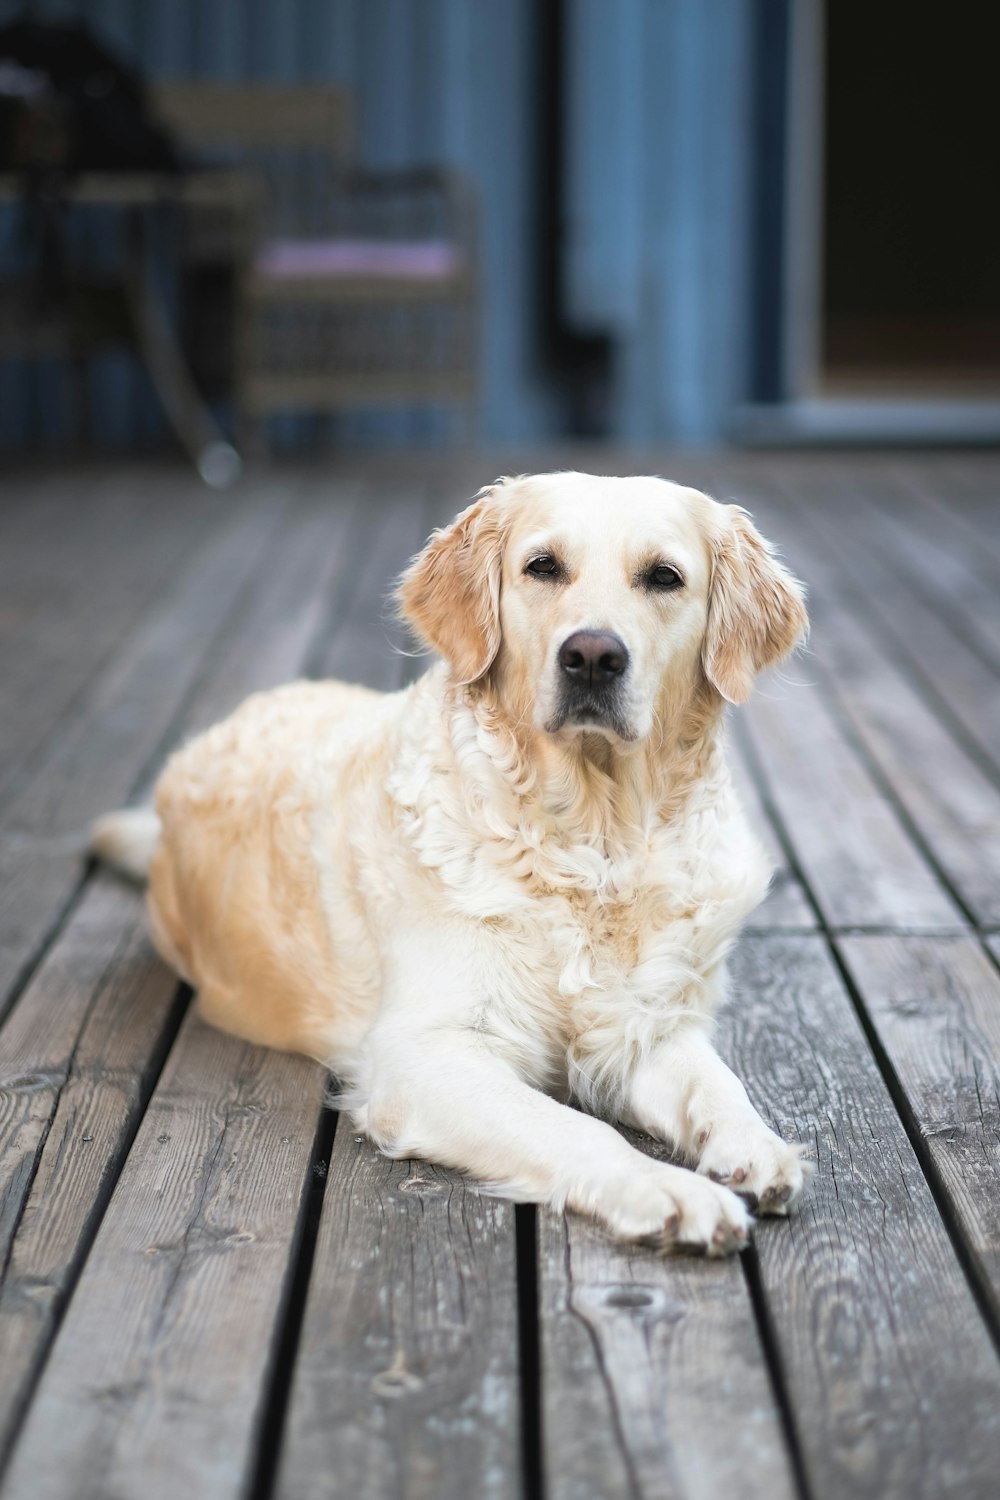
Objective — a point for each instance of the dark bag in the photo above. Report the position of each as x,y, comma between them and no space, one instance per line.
69,104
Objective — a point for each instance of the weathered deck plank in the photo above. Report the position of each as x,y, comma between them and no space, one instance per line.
79,1055
934,1004
406,1380
89,764
654,1379
894,1379
950,798
284,617
968,489
158,1374
938,1039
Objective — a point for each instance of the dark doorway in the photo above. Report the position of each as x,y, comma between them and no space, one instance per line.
911,227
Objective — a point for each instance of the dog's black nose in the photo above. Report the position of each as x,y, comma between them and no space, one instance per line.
593,657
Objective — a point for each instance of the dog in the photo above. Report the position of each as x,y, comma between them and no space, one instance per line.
498,903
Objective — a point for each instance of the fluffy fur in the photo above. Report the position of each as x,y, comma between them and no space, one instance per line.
483,898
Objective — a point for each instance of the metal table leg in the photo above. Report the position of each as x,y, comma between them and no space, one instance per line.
216,460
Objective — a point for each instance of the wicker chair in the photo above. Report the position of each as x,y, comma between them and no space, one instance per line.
352,289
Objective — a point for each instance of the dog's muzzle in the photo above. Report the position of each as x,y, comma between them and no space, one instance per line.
591,665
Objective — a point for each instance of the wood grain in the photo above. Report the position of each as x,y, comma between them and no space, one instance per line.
957,573
934,1004
406,1379
92,763
949,799
78,1057
654,1380
157,1376
969,490
893,1376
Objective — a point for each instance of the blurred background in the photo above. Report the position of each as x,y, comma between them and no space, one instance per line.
293,223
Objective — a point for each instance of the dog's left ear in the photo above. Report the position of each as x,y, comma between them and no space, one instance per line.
450,593
756,609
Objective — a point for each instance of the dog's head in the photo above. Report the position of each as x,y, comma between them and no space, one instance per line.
598,605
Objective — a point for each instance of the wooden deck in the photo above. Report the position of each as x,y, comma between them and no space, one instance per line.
212,1287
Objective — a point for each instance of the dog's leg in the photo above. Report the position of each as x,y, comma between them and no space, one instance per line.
686,1095
447,1098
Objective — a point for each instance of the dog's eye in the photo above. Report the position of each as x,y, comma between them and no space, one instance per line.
664,577
543,566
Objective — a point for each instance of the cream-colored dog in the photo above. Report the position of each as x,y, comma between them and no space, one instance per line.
515,883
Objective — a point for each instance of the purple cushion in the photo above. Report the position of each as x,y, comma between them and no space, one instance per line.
416,260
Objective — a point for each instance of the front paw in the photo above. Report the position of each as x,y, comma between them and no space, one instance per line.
755,1163
673,1209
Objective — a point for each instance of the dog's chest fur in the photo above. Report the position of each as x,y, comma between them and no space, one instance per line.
600,980
594,939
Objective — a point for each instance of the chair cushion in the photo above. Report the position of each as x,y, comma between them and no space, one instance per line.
413,260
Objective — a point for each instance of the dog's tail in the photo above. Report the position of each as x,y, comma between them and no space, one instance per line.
127,840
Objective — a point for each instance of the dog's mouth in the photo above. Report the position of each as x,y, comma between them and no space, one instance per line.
585,711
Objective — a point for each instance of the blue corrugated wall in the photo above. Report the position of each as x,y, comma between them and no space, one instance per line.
656,250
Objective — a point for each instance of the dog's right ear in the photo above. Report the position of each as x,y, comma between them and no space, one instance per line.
756,609
450,593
